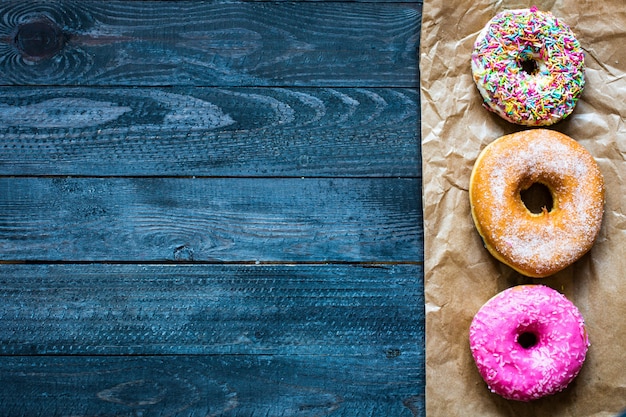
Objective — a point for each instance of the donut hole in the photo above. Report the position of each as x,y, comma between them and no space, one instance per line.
529,66
537,198
527,339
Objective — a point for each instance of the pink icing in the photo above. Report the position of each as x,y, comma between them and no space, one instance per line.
528,342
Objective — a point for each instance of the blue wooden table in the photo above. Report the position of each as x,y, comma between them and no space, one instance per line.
210,209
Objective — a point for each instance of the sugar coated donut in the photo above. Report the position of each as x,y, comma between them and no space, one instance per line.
543,243
528,342
529,67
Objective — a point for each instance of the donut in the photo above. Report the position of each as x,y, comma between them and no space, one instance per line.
529,67
528,342
543,243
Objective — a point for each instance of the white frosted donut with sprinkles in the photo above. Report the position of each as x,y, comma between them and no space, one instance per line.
528,342
529,67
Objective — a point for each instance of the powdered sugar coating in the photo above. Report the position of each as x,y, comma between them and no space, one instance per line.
541,244
544,96
527,373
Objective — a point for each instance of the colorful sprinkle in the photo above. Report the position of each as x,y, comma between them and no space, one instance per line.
529,67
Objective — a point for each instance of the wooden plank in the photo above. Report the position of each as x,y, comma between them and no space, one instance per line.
210,131
231,385
211,309
347,339
210,219
168,43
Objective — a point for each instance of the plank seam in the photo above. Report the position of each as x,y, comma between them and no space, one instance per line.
207,262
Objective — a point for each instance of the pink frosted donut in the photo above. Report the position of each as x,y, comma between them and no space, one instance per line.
528,342
529,67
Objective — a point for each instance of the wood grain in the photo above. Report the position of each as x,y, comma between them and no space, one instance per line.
217,385
236,340
210,219
150,43
211,309
210,131
210,208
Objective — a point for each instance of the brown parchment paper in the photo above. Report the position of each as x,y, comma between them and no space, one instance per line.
460,275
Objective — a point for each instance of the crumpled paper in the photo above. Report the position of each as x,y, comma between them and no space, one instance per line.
460,275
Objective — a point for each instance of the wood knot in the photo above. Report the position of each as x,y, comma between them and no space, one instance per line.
392,353
39,39
183,253
135,393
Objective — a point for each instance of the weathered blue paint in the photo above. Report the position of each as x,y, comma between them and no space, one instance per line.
210,209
